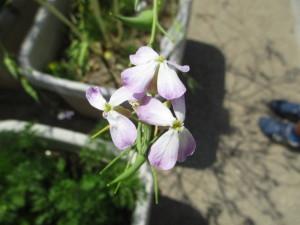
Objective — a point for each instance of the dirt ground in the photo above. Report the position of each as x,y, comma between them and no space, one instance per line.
242,55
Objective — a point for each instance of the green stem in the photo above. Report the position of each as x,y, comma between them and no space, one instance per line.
165,32
140,159
95,7
154,23
114,160
101,131
119,24
156,137
155,184
139,137
126,168
137,120
60,16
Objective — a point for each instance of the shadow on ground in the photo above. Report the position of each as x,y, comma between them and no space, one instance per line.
206,118
172,212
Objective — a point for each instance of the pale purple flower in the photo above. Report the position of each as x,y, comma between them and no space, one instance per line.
175,144
122,130
147,63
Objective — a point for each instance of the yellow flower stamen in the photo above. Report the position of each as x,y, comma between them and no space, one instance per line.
107,107
177,125
160,59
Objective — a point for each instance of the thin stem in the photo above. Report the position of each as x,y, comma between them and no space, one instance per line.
165,32
114,160
60,16
154,23
155,184
137,120
95,7
101,131
126,168
117,188
156,137
119,24
155,131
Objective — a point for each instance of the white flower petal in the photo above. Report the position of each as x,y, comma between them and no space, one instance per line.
164,152
138,78
168,84
154,112
187,144
184,68
123,131
179,108
119,96
95,98
143,55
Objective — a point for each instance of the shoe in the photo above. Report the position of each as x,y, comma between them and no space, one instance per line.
286,109
279,131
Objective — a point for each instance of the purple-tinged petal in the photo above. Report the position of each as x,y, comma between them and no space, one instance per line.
143,55
123,131
119,96
95,98
164,152
138,78
187,144
137,96
168,83
154,112
184,68
179,108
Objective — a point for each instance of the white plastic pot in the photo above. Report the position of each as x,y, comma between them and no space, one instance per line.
44,43
71,141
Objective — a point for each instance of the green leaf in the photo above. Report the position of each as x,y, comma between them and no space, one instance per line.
11,65
88,182
29,89
143,21
61,164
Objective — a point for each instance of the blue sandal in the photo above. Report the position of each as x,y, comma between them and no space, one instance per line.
279,131
285,109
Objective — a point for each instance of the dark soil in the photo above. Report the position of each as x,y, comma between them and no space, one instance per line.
16,104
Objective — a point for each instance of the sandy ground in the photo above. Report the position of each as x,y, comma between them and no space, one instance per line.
242,55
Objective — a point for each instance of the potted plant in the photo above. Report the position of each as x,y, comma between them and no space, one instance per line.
44,43
61,189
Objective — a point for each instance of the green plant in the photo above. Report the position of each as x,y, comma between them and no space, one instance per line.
16,72
103,34
59,188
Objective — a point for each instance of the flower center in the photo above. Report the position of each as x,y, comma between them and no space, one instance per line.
107,107
160,59
177,125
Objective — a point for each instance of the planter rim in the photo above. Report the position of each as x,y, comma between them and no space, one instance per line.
76,140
